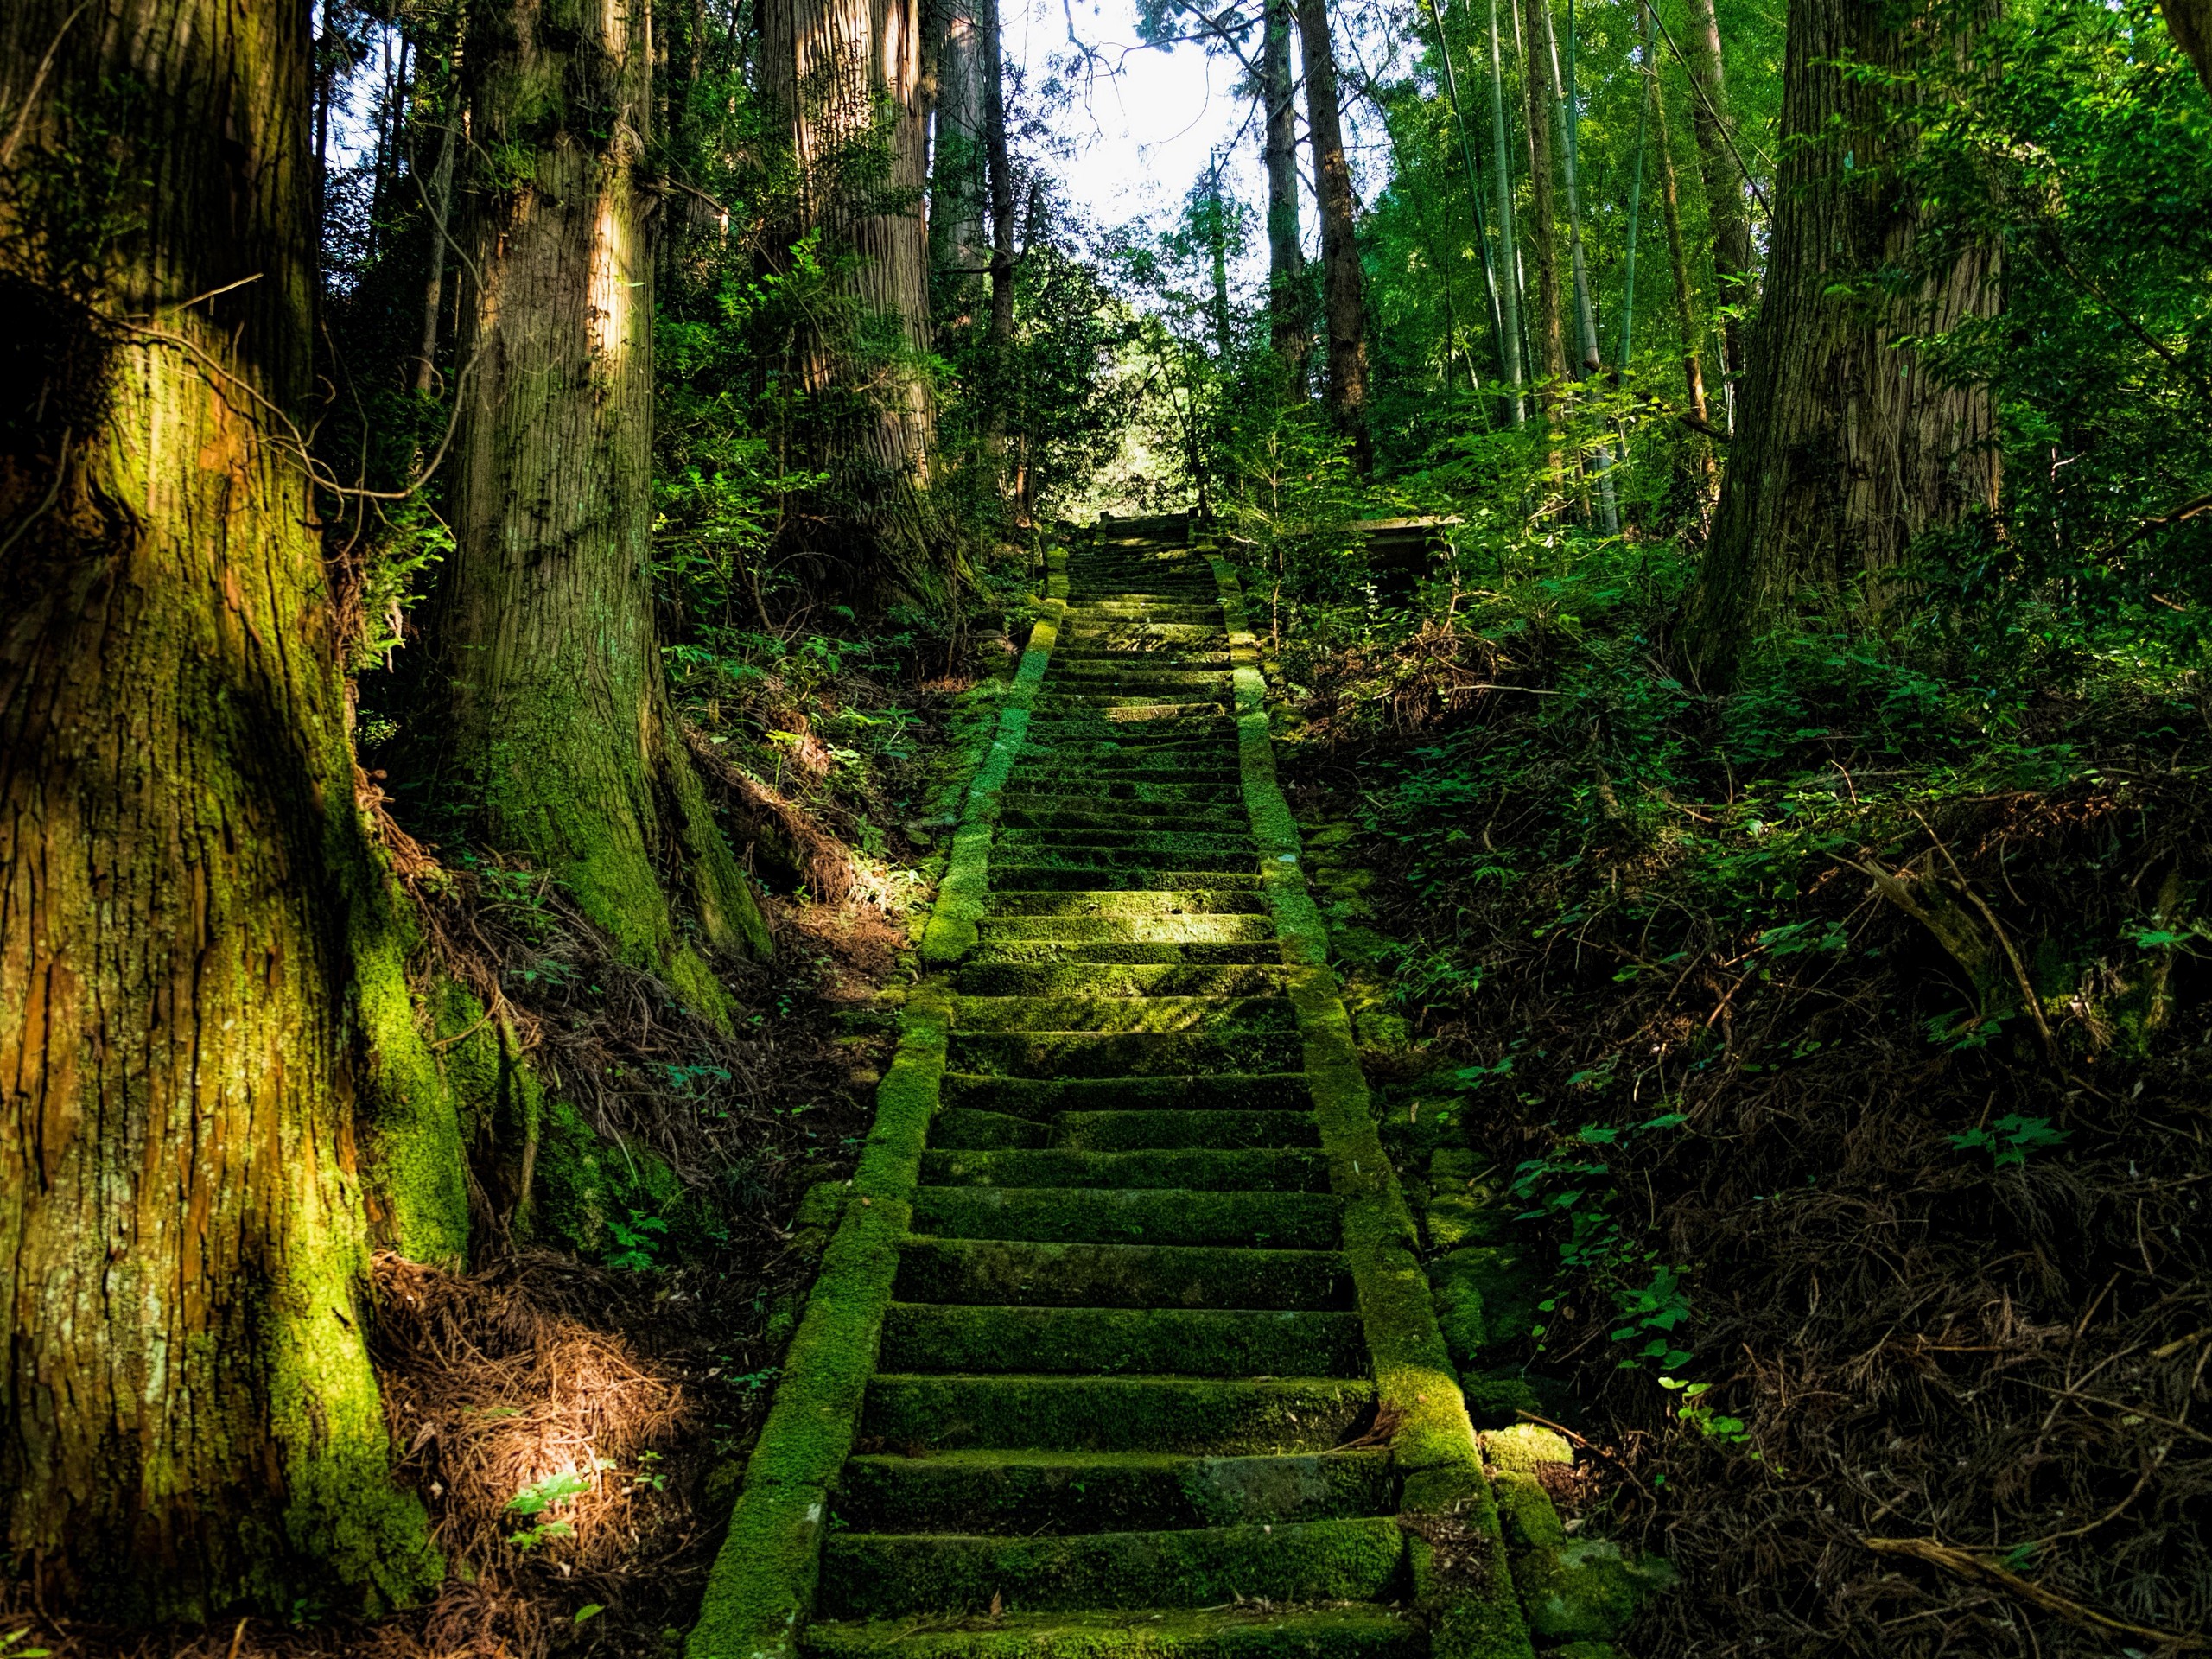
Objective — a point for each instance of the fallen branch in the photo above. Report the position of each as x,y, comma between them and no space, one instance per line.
1969,1565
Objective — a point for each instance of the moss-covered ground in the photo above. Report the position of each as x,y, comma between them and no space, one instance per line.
1128,1356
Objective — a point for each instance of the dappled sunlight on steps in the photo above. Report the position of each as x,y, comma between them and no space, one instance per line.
1154,1371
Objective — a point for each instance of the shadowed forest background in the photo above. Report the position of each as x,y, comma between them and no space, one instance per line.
515,517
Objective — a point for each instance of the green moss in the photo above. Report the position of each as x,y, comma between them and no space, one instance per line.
1045,1098
1121,1054
1028,1493
1117,1413
1298,1562
416,1172
1485,1298
1110,1341
1170,1216
1295,1170
1209,1014
1119,1275
590,1185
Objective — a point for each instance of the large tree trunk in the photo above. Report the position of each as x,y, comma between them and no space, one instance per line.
1343,284
1704,475
1849,448
1509,241
1001,161
960,248
1285,260
2190,21
829,69
1724,180
1589,359
190,1419
559,716
1543,220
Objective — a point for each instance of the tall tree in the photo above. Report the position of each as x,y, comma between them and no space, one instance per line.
1589,360
1849,445
1704,476
959,187
1724,184
999,157
847,81
1285,260
1508,240
2190,21
185,878
558,715
1343,284
1544,220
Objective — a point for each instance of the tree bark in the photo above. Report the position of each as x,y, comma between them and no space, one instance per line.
558,715
1343,284
1542,102
191,1422
1724,180
2190,21
1589,360
1001,166
439,210
959,248
1285,260
1849,448
828,68
1704,475
1508,242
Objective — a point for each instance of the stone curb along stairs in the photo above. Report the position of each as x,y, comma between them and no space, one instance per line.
1120,1345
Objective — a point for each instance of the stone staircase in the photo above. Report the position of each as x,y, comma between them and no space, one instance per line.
1128,1356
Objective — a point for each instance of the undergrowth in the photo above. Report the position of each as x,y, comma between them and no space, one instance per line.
1837,1043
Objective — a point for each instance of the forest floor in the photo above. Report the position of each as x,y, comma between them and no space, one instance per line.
1815,1075
1821,1067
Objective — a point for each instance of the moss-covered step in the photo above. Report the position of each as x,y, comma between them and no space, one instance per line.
1127,794
1033,1492
1068,876
1352,1631
1120,1054
1292,1221
1186,929
1220,818
872,1575
1102,1013
1294,1170
1121,979
1106,832
1045,951
1226,1129
1222,1417
940,1269
1045,1097
1122,1341
1185,901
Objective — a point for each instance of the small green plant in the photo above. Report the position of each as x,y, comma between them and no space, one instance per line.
1713,1424
10,1651
636,1241
540,1495
2009,1139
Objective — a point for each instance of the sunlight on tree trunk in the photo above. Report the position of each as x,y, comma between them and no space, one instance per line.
559,716
1849,446
1288,326
1543,228
193,1423
1343,285
1724,180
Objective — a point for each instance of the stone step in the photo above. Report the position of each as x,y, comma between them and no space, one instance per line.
1121,901
1017,1271
1059,1054
1029,1493
921,1337
1221,1417
1122,979
1347,1631
1042,950
1045,1098
1296,1221
972,1130
877,1574
1289,1170
1110,1014
1022,868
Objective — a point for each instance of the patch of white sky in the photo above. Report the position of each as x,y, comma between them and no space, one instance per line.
1135,127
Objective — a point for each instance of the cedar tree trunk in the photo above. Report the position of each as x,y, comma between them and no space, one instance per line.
959,249
1848,447
558,715
1343,284
1286,261
1724,180
1543,220
187,1418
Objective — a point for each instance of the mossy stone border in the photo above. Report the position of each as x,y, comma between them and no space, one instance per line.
1472,1610
951,932
760,1590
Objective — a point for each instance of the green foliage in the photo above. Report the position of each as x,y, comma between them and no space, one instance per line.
550,1492
2010,1138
